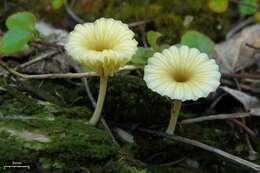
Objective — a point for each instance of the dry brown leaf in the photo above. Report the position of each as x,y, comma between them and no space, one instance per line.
234,55
59,63
52,34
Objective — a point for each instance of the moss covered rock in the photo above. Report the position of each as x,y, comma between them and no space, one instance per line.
70,142
47,136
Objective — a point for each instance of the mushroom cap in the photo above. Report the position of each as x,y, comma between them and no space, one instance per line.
182,73
104,46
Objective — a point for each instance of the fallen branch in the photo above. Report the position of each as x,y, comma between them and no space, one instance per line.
58,75
239,26
215,117
88,74
46,76
134,24
198,144
20,117
37,59
244,127
230,117
252,46
72,14
235,75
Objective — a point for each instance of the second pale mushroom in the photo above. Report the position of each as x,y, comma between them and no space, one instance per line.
181,73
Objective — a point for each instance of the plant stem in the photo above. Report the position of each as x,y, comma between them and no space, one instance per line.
174,117
101,97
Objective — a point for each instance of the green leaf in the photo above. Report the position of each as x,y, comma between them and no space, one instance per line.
247,7
198,40
57,4
14,40
218,6
141,56
24,20
152,38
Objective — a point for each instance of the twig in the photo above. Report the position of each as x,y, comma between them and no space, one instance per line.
57,75
244,127
243,86
252,152
37,59
87,89
72,14
93,102
252,46
134,24
239,26
108,130
47,44
174,162
198,144
215,117
90,95
88,74
20,117
235,75
224,116
46,76
215,102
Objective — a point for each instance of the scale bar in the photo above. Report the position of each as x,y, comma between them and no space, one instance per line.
5,167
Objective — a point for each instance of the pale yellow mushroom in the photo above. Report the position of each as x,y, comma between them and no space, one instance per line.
181,73
104,46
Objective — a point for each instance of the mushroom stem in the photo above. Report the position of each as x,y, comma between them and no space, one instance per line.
174,117
101,97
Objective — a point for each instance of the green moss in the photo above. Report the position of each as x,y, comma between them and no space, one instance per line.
72,143
161,169
129,100
83,139
11,149
16,103
122,167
